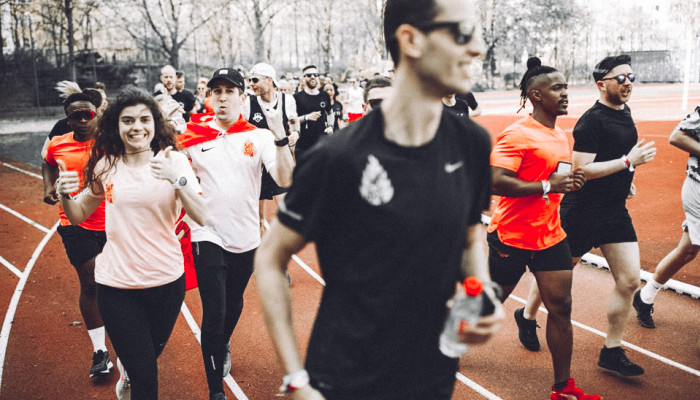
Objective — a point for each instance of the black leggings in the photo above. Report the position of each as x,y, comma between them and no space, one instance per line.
139,323
222,277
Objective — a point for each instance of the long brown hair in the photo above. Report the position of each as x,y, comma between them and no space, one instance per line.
108,143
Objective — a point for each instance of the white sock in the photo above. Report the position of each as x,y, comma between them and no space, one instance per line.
97,336
649,291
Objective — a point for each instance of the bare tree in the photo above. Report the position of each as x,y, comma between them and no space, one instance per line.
259,15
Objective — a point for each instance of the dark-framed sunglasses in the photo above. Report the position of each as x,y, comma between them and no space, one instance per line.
461,31
622,77
256,80
80,115
374,103
311,75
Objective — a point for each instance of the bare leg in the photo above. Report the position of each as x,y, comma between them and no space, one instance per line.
623,259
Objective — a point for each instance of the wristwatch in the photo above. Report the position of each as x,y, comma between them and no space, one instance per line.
282,142
180,183
294,381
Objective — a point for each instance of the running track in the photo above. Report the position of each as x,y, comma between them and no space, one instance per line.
45,354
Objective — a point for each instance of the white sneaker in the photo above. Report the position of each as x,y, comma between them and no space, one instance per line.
227,360
123,384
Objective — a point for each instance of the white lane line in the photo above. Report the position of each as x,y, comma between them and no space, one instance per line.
301,263
476,387
12,308
23,218
24,171
232,384
624,343
11,267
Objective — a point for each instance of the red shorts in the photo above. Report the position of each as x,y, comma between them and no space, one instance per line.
354,117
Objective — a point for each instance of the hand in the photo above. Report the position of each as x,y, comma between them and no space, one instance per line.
174,114
293,137
579,178
313,116
51,197
633,191
486,325
307,393
68,181
275,123
328,130
163,166
561,183
641,154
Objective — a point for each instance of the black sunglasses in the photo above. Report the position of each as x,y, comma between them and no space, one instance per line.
82,115
621,78
311,75
256,80
374,103
461,32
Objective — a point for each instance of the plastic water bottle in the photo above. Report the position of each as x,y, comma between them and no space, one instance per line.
466,308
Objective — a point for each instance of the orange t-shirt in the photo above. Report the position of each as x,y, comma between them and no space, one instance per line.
532,151
75,155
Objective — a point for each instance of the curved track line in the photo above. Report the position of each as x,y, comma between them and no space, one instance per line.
10,316
23,218
18,169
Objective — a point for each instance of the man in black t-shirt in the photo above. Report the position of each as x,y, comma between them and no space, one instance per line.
393,203
458,106
312,106
186,99
606,146
472,104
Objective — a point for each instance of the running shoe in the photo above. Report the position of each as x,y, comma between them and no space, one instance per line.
101,364
527,331
571,392
616,360
644,311
227,360
123,384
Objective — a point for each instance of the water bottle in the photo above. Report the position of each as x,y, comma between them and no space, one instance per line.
466,308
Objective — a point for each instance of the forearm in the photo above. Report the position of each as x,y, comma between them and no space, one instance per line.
49,174
511,186
684,142
475,254
194,205
284,166
78,210
600,169
270,263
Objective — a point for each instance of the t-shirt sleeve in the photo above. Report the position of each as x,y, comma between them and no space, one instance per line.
268,149
471,101
185,169
50,156
306,205
691,124
509,150
586,131
291,105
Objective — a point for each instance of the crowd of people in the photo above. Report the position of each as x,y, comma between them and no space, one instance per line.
162,192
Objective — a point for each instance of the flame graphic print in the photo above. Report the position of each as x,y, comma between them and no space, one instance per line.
375,186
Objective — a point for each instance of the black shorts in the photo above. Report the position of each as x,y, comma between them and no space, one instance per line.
586,230
507,263
81,244
269,188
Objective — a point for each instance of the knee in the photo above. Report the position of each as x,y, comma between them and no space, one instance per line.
560,307
688,253
629,284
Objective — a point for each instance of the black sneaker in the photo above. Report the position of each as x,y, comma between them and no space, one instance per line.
616,360
644,311
527,331
217,396
101,364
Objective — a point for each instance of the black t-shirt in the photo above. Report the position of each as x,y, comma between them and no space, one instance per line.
389,224
311,131
460,109
337,110
610,134
60,128
469,99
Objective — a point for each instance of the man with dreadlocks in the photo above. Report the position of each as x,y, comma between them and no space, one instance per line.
607,148
531,168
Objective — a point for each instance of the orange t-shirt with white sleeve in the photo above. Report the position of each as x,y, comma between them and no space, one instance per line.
75,155
141,213
532,151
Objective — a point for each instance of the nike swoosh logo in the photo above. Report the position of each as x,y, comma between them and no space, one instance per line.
203,149
450,168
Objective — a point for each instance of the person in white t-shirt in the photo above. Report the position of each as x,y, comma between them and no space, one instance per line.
228,154
140,273
355,100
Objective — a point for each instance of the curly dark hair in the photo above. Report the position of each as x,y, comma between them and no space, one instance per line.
108,142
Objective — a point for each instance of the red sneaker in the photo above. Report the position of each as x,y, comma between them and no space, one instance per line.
571,392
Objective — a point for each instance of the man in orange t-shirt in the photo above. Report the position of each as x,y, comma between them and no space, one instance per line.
83,242
531,167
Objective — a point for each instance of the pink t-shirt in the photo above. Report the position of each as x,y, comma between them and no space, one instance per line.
141,213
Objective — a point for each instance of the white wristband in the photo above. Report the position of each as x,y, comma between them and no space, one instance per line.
294,381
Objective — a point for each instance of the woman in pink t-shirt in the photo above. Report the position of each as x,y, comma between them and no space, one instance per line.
144,184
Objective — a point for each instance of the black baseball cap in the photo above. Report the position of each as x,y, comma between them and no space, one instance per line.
608,63
229,75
